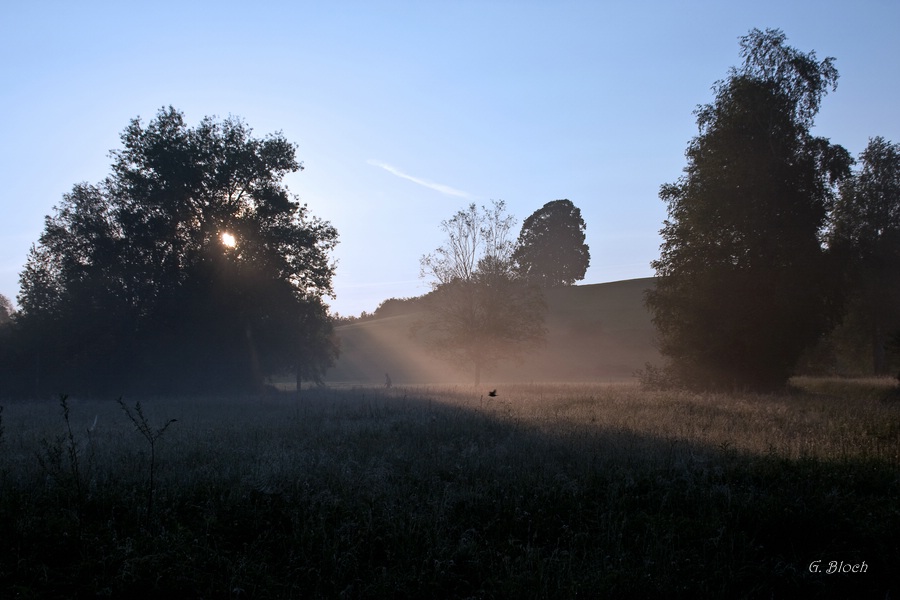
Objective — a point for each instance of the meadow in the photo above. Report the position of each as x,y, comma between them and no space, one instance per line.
545,491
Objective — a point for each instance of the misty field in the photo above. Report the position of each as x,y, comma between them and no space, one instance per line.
555,491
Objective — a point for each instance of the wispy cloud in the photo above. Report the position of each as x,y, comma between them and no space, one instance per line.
438,187
377,284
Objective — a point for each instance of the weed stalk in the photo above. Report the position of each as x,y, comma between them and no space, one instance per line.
139,420
71,447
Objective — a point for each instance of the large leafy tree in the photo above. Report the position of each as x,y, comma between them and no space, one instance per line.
479,313
743,282
866,230
191,266
551,250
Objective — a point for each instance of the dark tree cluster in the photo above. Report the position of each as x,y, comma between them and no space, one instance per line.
866,234
191,267
759,228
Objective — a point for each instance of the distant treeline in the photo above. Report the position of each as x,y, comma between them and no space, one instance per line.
392,307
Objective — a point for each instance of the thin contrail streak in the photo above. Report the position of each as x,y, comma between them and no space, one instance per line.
438,187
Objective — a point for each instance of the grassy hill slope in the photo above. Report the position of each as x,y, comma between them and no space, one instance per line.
596,332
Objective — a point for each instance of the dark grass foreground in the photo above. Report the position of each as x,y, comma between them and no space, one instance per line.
544,492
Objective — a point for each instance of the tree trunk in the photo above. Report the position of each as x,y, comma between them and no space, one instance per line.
253,356
879,359
37,374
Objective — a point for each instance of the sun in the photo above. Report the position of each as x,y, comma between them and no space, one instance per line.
228,239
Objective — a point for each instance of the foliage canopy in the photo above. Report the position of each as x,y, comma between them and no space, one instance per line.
191,266
744,284
866,232
551,250
6,309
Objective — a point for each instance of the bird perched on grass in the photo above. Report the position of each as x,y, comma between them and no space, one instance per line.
492,393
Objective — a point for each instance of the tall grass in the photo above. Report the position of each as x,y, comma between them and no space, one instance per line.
544,491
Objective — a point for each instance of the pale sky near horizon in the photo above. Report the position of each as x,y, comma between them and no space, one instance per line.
405,112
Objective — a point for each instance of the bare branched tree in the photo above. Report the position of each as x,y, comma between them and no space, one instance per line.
479,313
475,239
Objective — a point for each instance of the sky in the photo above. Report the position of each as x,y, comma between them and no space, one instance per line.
406,112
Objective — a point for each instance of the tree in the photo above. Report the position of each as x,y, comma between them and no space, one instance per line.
479,313
550,250
189,267
319,347
6,309
866,229
8,346
744,284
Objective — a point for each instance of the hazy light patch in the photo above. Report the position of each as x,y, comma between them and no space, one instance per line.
228,239
380,348
439,187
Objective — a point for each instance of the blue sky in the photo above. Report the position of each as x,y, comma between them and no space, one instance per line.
405,112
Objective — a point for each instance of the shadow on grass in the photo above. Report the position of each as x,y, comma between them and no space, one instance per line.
364,493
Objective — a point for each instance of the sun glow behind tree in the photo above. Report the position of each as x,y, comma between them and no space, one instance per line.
128,280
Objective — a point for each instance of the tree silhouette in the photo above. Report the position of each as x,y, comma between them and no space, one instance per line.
551,251
131,284
743,283
6,309
866,230
479,313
